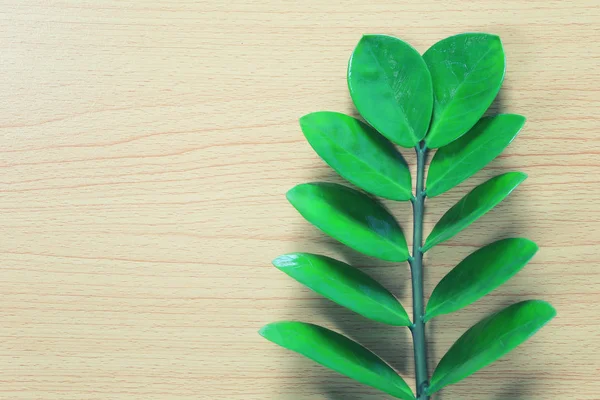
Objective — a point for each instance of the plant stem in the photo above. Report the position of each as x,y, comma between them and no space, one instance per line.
416,264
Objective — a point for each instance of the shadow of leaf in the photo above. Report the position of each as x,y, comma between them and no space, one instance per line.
515,390
498,105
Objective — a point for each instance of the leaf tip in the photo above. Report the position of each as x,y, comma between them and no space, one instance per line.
303,120
264,331
534,246
285,260
493,36
365,39
272,333
368,36
292,194
522,176
312,118
551,310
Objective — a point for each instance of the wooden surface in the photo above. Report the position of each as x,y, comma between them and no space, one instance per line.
145,150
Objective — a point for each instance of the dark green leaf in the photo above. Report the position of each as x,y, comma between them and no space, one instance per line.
467,71
338,353
475,204
391,88
490,339
462,158
358,153
345,285
479,274
351,217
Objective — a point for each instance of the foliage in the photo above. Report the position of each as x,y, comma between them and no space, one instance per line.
434,101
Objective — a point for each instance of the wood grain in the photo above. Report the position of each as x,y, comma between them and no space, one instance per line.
145,149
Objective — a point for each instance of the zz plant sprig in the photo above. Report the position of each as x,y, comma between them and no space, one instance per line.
434,101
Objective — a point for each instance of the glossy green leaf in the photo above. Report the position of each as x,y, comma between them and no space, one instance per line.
351,217
344,284
391,88
490,339
459,160
479,274
358,153
338,353
475,204
467,71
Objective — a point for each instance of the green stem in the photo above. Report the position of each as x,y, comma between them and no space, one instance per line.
416,264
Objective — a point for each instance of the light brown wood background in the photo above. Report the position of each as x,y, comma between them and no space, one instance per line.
145,150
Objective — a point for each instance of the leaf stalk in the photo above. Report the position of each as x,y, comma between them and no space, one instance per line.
416,264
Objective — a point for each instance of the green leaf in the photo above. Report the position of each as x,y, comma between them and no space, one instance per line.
459,160
346,285
351,217
338,353
490,339
475,204
391,88
358,153
467,71
479,274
